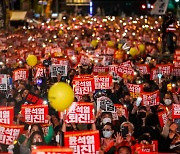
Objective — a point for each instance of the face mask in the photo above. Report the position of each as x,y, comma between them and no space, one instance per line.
105,120
168,101
107,134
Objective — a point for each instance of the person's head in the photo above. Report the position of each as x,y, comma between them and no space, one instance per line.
141,113
55,119
123,150
129,125
107,130
167,99
152,120
106,117
37,138
11,102
145,139
35,127
25,93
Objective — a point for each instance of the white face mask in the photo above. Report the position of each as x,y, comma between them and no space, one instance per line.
107,134
105,120
168,101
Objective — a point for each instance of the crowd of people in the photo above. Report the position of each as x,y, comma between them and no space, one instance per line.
85,43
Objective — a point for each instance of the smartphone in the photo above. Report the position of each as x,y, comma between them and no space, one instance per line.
124,131
138,101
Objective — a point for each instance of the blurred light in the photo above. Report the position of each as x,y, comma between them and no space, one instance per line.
143,6
176,1
1,63
45,102
91,8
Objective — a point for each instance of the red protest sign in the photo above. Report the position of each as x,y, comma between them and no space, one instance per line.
176,63
163,118
20,74
51,150
83,85
143,68
100,70
154,74
9,133
140,148
83,141
125,72
103,81
80,112
150,98
176,111
35,113
60,61
40,71
70,52
165,69
135,89
6,115
176,71
109,51
34,99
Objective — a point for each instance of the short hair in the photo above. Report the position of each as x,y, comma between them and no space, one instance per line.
103,113
129,123
123,146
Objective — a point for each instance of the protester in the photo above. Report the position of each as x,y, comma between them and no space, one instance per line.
126,93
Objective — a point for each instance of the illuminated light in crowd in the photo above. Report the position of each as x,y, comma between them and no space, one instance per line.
68,28
74,19
124,24
126,31
1,63
151,27
173,85
152,6
54,36
73,57
24,27
100,26
160,17
104,20
95,19
96,61
117,30
20,62
33,39
98,38
75,26
81,23
130,18
97,55
146,26
120,21
45,102
124,34
64,18
76,38
43,45
42,24
159,30
29,39
49,27
141,17
133,34
134,22
143,26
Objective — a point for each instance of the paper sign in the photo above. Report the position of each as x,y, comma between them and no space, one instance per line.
58,69
20,74
3,82
83,141
35,113
103,81
6,115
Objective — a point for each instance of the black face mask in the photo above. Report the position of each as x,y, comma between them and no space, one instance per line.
141,114
147,89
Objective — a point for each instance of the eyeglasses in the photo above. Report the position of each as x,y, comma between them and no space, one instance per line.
106,129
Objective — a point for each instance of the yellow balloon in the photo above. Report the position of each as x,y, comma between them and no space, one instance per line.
94,43
31,60
141,47
133,51
60,96
119,46
110,43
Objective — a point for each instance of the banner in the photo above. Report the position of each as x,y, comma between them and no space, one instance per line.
176,71
135,89
6,115
3,82
20,74
176,111
34,99
141,148
9,133
165,69
60,61
150,98
58,69
51,150
40,71
154,74
83,85
35,113
143,68
163,118
125,72
160,7
80,112
103,82
100,70
83,141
